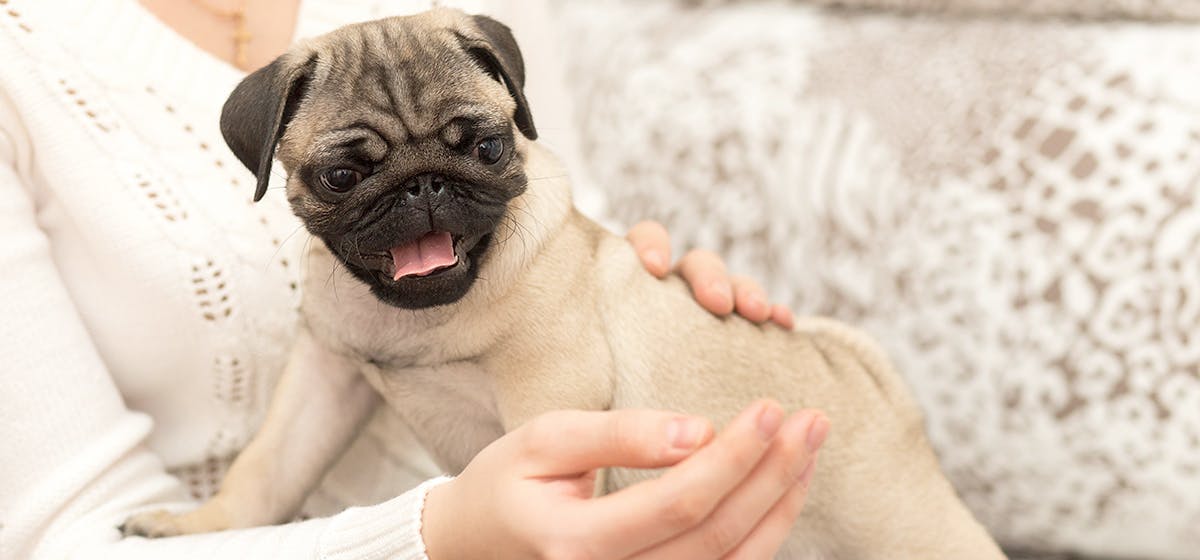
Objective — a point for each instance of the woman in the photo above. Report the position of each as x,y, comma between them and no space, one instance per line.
140,277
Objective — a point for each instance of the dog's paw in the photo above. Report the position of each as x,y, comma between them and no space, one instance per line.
153,524
157,524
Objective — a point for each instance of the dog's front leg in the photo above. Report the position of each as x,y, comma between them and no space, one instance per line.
319,405
574,377
564,367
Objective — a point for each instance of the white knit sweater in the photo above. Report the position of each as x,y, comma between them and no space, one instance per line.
147,304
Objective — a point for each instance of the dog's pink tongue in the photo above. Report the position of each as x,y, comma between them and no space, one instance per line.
433,251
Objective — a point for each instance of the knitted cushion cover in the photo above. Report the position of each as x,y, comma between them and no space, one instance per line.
1008,203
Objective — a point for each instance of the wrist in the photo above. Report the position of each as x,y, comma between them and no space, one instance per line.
390,529
436,514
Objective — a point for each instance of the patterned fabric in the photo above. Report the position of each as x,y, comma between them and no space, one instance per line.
1009,205
1136,9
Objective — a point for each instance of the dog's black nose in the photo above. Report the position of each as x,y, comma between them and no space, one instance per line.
426,185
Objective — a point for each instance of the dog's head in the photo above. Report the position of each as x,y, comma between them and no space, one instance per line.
400,138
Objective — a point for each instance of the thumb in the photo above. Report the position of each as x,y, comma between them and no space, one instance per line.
572,441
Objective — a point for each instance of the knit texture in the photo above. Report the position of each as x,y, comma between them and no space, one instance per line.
390,529
1149,10
1008,204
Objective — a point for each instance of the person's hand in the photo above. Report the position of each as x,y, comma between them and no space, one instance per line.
529,494
705,273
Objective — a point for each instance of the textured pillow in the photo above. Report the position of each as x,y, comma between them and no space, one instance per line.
1009,205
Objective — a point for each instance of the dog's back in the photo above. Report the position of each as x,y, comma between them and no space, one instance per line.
878,493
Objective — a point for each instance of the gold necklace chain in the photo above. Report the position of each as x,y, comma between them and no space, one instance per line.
241,34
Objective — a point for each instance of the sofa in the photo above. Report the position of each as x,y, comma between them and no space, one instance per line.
1003,192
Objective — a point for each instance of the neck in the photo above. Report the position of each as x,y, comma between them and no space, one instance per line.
244,33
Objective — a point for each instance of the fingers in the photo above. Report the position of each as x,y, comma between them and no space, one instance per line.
781,470
705,274
766,538
574,441
653,245
750,300
782,316
721,295
651,512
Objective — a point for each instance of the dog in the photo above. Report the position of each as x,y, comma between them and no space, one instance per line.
481,298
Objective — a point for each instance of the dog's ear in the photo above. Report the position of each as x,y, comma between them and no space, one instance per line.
500,56
257,113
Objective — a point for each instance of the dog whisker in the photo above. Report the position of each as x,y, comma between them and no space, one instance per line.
548,177
284,242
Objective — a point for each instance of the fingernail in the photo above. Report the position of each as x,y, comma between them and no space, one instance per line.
656,260
723,290
755,304
769,421
684,433
817,433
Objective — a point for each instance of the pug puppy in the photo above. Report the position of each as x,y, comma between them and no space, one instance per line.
479,299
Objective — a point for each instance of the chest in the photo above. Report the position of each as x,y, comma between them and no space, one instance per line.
451,408
187,292
425,364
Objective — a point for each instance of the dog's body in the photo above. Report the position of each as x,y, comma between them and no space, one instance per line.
561,315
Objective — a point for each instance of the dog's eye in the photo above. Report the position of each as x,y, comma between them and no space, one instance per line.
489,150
341,179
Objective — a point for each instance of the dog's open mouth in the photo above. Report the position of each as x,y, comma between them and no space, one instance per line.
436,268
430,254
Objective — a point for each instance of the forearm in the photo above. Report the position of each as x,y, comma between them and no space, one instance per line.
66,485
388,530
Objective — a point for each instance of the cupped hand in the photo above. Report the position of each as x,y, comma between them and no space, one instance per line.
529,494
705,273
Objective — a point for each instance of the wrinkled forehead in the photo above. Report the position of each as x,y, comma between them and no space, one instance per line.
402,77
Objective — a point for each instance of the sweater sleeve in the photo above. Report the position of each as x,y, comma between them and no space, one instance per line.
74,461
